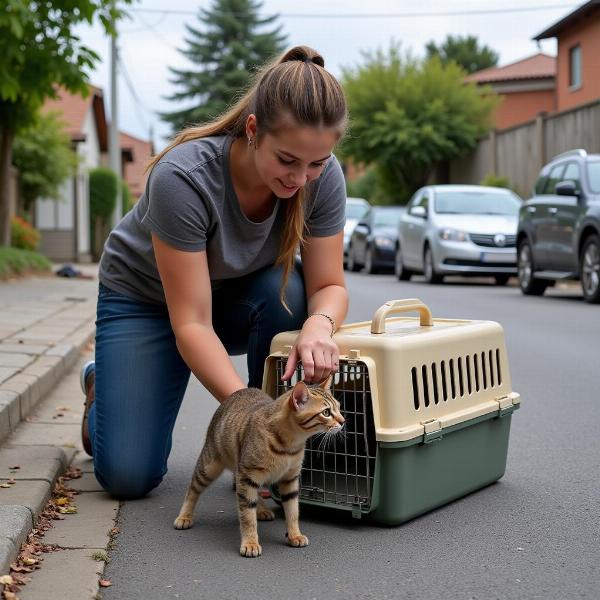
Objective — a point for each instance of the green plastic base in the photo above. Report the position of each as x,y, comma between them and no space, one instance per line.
415,479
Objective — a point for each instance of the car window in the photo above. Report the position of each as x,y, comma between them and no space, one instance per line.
476,202
540,184
593,171
573,173
553,179
355,211
387,217
424,200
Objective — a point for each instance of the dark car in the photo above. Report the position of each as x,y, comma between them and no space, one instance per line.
559,226
373,241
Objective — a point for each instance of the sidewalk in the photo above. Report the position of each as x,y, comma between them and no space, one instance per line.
46,331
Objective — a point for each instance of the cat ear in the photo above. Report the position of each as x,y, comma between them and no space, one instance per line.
299,396
326,383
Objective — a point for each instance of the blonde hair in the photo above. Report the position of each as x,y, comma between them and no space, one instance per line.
295,89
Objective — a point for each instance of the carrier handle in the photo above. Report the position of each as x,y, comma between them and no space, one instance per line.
400,306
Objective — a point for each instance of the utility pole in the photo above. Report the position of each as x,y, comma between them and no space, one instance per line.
113,135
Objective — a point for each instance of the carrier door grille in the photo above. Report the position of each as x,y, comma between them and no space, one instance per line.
341,470
455,377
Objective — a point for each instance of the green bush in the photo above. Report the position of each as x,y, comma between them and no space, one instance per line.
494,180
126,197
103,192
23,235
14,261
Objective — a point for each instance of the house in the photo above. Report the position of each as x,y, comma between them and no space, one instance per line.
578,60
526,87
134,172
65,224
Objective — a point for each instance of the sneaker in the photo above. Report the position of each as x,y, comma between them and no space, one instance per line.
87,381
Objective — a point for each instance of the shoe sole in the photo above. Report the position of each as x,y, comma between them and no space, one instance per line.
84,373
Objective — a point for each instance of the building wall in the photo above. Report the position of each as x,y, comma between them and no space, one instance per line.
520,107
587,35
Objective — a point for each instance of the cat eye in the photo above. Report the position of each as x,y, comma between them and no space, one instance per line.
326,412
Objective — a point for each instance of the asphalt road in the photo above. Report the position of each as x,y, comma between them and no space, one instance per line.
534,534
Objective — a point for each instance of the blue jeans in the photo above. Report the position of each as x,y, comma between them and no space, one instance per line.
141,378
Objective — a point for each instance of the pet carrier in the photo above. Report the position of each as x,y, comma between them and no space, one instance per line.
427,403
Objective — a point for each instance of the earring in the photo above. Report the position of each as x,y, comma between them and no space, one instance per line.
251,143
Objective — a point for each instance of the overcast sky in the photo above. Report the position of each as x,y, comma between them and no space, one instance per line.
148,41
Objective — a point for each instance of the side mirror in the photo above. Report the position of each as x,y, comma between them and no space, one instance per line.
566,188
419,211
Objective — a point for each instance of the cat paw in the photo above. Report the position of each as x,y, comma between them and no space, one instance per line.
183,522
298,541
250,549
265,514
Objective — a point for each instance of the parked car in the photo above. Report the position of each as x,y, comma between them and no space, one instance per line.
356,209
458,230
373,241
559,226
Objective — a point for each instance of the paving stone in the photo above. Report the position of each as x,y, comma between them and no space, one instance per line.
14,359
31,494
83,462
67,574
23,348
8,551
86,483
34,462
7,372
89,526
48,434
16,522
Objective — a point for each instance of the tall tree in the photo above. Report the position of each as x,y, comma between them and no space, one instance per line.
464,51
38,51
409,115
225,51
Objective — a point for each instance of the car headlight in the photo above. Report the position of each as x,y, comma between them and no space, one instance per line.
383,242
453,235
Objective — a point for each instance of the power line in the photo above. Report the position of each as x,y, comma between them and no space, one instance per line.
402,15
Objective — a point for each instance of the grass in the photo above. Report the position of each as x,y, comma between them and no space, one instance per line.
20,262
100,555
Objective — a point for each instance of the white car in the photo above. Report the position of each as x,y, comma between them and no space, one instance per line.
459,230
356,208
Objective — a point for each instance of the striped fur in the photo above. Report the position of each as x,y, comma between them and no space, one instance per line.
262,441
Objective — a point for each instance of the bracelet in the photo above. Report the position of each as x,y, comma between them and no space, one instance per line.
320,314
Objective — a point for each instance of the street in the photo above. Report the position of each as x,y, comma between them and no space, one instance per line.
534,534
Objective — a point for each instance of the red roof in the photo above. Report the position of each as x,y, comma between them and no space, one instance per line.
538,66
583,13
74,108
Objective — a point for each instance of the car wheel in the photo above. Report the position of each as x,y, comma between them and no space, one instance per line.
590,269
431,276
369,262
501,279
530,286
351,262
402,273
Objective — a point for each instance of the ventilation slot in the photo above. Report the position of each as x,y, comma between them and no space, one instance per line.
434,381
425,385
476,366
444,385
452,378
460,376
491,355
468,361
483,371
415,387
498,372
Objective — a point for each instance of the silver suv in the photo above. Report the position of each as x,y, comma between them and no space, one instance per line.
559,226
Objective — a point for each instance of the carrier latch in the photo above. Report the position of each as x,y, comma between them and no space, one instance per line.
506,404
433,430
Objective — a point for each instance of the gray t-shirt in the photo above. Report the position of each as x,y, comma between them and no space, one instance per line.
190,204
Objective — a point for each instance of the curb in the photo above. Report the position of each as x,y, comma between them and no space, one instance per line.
18,396
21,393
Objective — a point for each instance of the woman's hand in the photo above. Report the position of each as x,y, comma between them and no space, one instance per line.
316,350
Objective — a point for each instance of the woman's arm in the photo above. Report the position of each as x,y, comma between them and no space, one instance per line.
186,283
322,264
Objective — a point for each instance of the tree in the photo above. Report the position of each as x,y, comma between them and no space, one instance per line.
225,53
39,51
409,115
464,51
44,157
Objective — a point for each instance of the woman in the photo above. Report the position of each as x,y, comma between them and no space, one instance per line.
204,267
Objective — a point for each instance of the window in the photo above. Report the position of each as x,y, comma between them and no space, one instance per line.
541,181
593,170
555,177
477,203
575,67
572,173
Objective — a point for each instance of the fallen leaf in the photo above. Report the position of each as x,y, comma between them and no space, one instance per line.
61,501
67,510
62,408
4,485
9,595
104,583
6,580
30,561
15,467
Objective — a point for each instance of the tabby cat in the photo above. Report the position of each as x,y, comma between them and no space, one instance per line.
261,440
